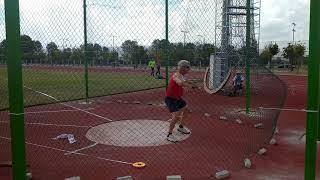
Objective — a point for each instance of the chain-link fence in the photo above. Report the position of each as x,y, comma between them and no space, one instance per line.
116,54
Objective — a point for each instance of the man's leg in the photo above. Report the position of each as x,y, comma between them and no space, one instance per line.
234,90
240,90
185,115
175,118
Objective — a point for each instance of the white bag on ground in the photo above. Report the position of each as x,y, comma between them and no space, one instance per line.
70,137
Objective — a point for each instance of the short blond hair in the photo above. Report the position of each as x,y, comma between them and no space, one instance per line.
182,63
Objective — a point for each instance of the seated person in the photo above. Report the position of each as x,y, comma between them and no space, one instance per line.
237,82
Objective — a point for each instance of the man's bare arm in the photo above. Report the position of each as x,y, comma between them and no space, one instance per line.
181,82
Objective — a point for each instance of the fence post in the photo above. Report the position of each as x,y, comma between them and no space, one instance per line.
313,92
248,36
85,49
13,55
167,46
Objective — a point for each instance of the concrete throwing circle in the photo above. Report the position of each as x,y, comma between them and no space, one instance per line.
133,133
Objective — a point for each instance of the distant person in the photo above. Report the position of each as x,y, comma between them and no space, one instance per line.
151,65
237,83
158,74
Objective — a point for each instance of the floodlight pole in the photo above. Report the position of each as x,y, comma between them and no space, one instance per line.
202,47
184,41
293,31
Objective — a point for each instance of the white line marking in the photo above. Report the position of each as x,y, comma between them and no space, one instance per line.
288,109
41,112
287,74
93,114
87,147
298,85
62,150
57,125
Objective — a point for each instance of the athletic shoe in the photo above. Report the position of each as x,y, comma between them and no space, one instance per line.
171,138
183,130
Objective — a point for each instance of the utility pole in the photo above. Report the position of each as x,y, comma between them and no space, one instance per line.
64,46
184,41
202,48
113,42
204,39
293,31
113,49
184,37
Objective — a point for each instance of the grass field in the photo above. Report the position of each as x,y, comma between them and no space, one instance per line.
66,86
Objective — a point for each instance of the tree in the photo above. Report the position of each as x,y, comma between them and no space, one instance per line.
141,54
98,53
128,47
114,56
157,50
52,53
38,51
31,50
288,52
176,53
90,54
105,55
190,49
37,46
265,56
205,53
66,55
294,53
77,56
273,49
27,48
3,51
299,53
305,60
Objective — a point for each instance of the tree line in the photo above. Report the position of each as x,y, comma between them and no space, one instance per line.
293,52
129,53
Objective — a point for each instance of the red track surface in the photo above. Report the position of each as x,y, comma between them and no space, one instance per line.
286,160
214,145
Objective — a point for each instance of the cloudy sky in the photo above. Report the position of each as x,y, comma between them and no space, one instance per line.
110,22
277,17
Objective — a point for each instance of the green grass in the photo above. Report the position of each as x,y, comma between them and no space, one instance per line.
67,86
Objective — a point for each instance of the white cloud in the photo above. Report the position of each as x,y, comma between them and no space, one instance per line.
127,20
277,18
196,18
61,21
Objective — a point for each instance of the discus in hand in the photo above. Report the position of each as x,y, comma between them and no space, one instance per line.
197,83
